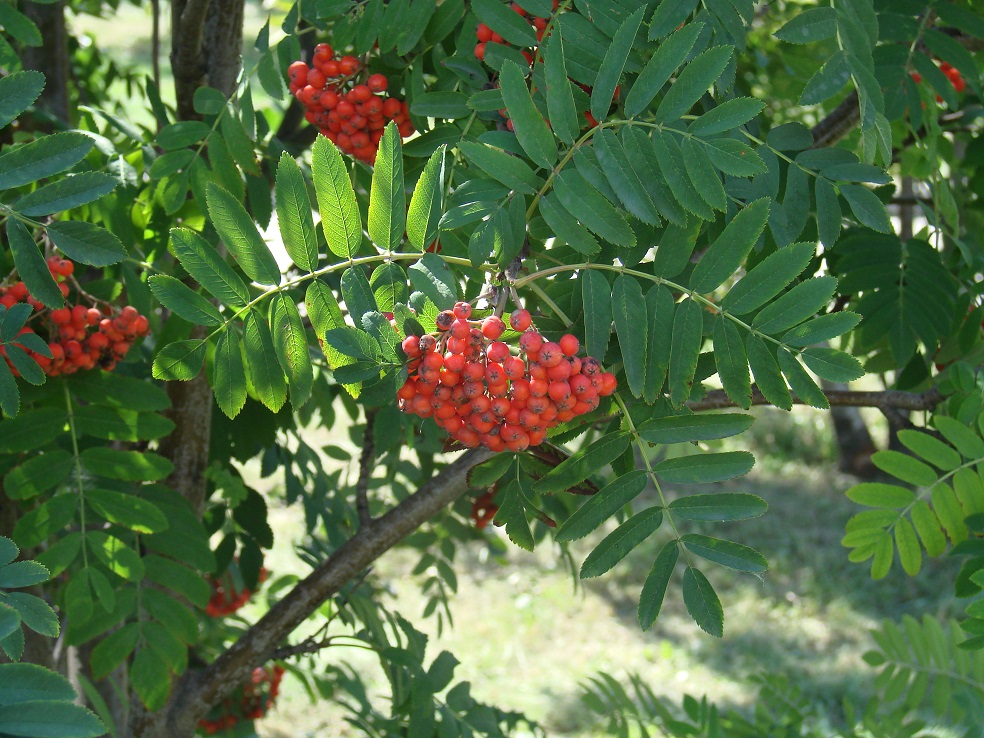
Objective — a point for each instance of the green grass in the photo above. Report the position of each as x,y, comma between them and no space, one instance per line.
527,637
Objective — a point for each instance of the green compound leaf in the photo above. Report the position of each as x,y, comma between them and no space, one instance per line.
727,553
178,297
705,468
687,428
340,218
688,322
702,602
202,261
387,199
582,464
620,542
602,505
294,214
531,130
654,589
290,343
723,506
631,324
727,253
427,202
238,231
612,65
229,374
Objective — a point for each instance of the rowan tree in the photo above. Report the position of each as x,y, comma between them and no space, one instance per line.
537,255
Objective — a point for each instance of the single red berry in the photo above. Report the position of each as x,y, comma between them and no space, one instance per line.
520,320
462,310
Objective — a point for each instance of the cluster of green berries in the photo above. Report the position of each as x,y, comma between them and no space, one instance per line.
79,337
351,114
484,392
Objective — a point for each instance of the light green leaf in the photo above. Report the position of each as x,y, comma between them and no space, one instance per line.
387,199
290,343
693,82
879,494
669,56
238,231
688,322
596,298
702,602
727,553
601,506
726,116
822,328
264,370
631,325
176,296
586,461
86,242
620,542
202,261
129,511
705,468
340,218
612,65
531,130
427,202
294,214
904,467
727,253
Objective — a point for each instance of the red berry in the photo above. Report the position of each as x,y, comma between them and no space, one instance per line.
462,310
520,320
377,83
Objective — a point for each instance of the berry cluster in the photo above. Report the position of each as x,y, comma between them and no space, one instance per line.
956,79
480,393
350,115
79,337
226,599
483,510
486,35
250,702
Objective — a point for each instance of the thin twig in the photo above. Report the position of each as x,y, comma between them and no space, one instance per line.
885,400
365,470
155,43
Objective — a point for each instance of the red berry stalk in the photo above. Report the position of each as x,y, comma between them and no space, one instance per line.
350,114
80,336
478,391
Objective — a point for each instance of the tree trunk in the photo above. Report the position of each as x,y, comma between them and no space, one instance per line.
854,443
51,57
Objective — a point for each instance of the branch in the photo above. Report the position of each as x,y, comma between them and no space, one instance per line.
198,691
885,400
838,123
365,471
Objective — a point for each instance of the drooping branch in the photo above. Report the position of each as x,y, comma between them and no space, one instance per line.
885,400
196,692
